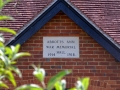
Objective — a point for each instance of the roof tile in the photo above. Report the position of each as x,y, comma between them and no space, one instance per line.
104,13
23,11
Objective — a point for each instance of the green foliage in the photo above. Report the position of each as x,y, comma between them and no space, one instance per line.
9,55
55,82
7,30
60,85
2,84
3,3
56,78
29,87
39,73
81,84
6,18
85,83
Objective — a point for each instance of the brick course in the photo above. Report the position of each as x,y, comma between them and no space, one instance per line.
94,62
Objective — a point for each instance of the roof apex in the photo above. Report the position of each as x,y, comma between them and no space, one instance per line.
77,16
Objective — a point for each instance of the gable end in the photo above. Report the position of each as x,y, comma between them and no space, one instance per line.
51,11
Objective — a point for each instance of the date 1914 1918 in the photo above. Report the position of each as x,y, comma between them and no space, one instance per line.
68,54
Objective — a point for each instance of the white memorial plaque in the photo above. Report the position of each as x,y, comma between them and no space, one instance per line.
61,47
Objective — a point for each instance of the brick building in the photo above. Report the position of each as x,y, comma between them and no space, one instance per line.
95,23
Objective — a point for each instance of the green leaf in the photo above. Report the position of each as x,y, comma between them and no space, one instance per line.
13,50
85,82
16,70
21,54
8,52
10,76
13,62
35,68
1,4
72,89
5,60
2,65
29,87
4,29
6,18
2,76
2,38
3,85
2,71
58,86
56,78
1,45
1,52
63,84
39,73
17,47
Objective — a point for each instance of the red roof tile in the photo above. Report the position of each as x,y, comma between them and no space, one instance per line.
105,14
23,11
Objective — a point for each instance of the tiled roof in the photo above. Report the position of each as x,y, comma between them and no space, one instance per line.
23,11
104,13
74,14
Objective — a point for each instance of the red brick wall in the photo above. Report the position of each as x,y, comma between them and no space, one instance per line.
94,62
